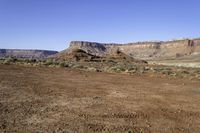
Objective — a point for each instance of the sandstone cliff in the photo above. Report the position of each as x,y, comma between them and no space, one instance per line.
142,50
19,53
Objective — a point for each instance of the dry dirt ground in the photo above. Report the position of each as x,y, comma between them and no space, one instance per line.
36,99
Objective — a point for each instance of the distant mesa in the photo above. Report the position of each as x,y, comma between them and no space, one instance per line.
34,54
141,50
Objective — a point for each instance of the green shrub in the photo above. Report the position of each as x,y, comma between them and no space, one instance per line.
10,60
6,62
118,69
49,62
132,68
166,72
63,64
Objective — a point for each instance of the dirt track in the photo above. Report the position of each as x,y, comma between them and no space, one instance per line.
63,100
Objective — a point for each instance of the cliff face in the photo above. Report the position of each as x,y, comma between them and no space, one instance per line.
36,54
142,50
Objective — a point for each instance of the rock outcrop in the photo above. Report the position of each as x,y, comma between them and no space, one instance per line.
142,50
76,54
90,47
19,53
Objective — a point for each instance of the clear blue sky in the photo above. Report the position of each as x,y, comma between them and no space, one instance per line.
52,24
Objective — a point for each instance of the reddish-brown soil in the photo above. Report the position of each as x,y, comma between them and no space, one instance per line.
34,99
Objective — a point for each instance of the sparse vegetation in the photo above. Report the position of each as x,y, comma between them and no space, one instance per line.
106,66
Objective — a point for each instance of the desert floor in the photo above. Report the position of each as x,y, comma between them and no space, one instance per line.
36,99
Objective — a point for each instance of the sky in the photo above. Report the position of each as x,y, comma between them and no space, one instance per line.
52,24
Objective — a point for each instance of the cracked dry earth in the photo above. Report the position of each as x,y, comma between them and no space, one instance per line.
34,99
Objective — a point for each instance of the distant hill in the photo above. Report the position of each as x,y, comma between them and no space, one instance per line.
20,53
